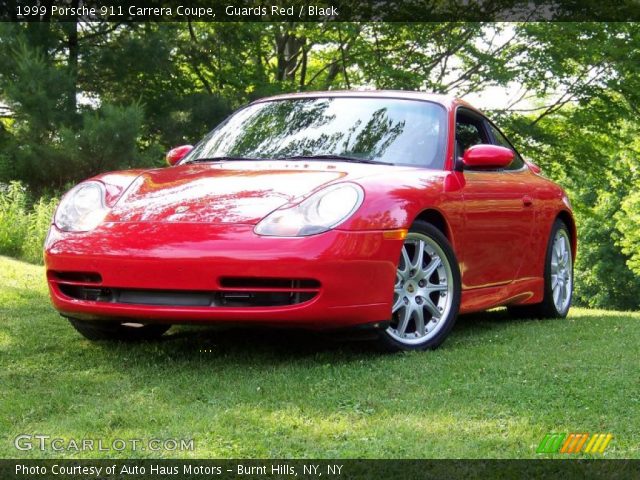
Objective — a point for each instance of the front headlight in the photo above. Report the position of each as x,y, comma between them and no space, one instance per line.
82,209
320,212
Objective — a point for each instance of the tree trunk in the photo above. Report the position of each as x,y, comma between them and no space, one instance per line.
72,62
288,50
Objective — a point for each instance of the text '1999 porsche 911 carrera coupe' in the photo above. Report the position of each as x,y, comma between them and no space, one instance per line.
393,211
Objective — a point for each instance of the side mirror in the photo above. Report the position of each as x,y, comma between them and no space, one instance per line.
177,154
487,156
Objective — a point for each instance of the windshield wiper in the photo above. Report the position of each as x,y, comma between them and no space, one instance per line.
223,159
341,158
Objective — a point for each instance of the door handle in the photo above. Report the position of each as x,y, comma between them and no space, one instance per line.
527,201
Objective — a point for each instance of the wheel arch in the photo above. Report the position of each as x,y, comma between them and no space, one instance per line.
437,219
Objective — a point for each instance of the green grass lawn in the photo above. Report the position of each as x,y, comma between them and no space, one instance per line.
494,389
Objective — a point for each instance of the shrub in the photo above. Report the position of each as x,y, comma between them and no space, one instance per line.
629,225
23,227
13,218
38,221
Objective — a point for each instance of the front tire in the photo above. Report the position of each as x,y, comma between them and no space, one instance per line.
426,296
116,331
558,278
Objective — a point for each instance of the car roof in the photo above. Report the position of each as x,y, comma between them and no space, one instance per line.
448,101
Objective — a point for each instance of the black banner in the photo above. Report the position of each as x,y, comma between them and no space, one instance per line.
316,469
318,11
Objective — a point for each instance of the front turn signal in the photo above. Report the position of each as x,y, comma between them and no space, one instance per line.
400,234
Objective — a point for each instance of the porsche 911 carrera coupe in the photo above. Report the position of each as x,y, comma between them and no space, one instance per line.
387,211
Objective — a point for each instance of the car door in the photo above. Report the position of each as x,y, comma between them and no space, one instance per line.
498,209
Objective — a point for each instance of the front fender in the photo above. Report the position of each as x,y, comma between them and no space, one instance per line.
395,201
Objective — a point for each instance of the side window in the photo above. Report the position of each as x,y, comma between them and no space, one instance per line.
469,132
501,140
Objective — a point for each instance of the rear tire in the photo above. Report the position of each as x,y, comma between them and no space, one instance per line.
116,331
426,296
558,278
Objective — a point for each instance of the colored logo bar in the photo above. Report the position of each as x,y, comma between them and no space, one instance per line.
574,443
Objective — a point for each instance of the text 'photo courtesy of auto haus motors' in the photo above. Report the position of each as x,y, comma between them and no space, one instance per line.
389,211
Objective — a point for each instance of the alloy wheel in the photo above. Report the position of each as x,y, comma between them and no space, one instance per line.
561,271
423,292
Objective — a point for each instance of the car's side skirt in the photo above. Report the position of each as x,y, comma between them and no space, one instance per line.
520,292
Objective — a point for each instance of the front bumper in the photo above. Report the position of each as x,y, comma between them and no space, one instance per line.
350,274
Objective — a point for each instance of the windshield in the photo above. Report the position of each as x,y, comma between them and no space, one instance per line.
401,132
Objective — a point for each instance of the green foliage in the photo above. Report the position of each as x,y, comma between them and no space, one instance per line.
629,226
603,278
51,144
108,137
38,89
38,222
23,227
105,139
13,225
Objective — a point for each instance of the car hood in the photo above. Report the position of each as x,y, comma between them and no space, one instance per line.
227,192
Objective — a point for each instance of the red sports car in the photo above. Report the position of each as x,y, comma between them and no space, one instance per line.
389,210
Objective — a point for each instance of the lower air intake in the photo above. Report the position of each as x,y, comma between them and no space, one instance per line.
177,298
